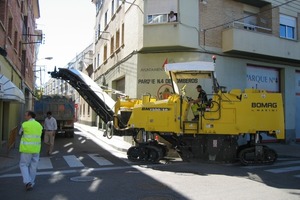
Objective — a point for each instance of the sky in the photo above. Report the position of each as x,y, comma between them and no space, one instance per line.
68,28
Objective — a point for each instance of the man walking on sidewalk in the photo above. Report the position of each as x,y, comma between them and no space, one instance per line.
30,147
50,127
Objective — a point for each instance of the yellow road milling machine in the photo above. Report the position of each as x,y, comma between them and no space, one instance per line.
226,117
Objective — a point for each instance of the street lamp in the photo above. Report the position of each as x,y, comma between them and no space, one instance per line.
45,58
40,70
48,58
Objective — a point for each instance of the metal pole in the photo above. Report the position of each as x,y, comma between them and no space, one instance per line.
40,78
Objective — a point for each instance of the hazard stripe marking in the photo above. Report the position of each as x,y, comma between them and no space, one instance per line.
73,161
100,160
283,170
45,163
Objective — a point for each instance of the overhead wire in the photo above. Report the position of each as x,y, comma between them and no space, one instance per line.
203,48
276,6
290,7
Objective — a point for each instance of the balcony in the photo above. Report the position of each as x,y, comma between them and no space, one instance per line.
169,35
248,39
168,25
257,3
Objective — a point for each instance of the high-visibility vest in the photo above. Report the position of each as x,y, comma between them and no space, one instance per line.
31,138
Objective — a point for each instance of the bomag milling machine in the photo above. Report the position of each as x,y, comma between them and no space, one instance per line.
214,137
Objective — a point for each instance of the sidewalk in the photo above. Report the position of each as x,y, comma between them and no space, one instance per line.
11,159
116,142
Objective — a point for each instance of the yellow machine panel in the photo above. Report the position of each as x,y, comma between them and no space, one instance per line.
249,112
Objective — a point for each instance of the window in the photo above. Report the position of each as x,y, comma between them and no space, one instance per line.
23,58
99,31
20,48
84,105
172,17
123,29
105,53
25,28
10,26
22,6
117,39
287,27
112,46
158,18
2,11
120,86
159,11
105,19
16,40
113,7
99,4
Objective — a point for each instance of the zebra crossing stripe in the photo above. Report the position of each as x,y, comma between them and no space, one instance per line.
73,161
45,163
100,160
286,163
276,164
283,170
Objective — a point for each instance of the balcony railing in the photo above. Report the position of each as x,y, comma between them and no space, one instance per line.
254,40
250,27
155,19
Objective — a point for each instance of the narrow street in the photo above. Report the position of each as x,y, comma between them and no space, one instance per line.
84,167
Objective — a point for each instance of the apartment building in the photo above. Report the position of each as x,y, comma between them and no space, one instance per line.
84,63
256,43
18,42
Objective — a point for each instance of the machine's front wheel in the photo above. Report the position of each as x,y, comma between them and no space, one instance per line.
109,130
136,153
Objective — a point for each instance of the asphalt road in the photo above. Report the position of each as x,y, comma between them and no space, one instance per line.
83,168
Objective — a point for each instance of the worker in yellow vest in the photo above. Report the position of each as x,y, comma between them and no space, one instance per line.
199,103
30,147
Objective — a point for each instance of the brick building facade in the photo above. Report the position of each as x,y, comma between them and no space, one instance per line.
18,42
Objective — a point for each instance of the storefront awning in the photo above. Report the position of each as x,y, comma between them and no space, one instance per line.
9,91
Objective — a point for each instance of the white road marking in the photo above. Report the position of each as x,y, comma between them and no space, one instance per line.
53,173
45,163
276,164
73,161
100,160
283,170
